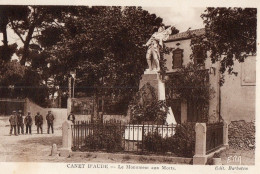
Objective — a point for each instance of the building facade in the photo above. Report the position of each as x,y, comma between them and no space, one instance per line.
234,100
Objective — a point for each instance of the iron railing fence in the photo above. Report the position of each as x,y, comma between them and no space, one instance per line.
119,136
214,136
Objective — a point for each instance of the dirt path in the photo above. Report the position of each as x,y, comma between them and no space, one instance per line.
37,148
27,148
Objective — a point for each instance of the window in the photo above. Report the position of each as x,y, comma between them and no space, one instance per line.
249,71
177,58
200,55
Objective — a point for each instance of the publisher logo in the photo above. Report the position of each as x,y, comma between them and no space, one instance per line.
234,160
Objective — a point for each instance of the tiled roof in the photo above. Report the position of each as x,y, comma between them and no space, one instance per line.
186,34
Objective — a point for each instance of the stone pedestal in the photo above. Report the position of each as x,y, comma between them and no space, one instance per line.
54,150
200,144
66,139
153,78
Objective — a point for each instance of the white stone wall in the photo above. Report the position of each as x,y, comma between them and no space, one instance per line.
60,114
134,132
238,93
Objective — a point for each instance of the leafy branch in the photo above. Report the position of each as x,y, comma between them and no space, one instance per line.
190,83
146,107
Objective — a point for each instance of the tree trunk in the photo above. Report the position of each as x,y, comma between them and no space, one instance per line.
27,44
5,36
102,109
5,41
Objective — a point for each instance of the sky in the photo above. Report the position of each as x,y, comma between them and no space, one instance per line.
181,18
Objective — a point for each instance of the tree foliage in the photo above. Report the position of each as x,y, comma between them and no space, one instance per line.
230,35
104,45
29,27
191,83
11,75
28,23
8,14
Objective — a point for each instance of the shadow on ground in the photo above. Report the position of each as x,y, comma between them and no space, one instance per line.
45,141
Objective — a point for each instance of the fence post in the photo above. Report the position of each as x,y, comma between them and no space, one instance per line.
66,139
200,144
225,135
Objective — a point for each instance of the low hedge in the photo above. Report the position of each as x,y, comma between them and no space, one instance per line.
182,143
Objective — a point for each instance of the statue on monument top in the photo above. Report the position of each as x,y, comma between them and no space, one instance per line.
154,44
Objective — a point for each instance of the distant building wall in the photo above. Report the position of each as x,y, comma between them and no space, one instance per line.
8,105
238,93
213,76
81,106
121,118
181,44
60,114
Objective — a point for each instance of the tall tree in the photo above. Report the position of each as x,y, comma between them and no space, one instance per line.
30,27
28,22
104,45
8,14
230,34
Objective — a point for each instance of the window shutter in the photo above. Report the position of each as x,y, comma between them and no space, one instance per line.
177,58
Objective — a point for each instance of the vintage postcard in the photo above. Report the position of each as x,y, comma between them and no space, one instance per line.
124,87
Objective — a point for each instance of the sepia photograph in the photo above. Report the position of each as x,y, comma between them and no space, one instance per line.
101,87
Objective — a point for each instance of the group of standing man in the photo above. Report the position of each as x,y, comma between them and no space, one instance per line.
17,121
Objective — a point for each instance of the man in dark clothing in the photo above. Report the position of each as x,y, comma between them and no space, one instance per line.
50,119
38,122
20,124
13,123
28,123
71,117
